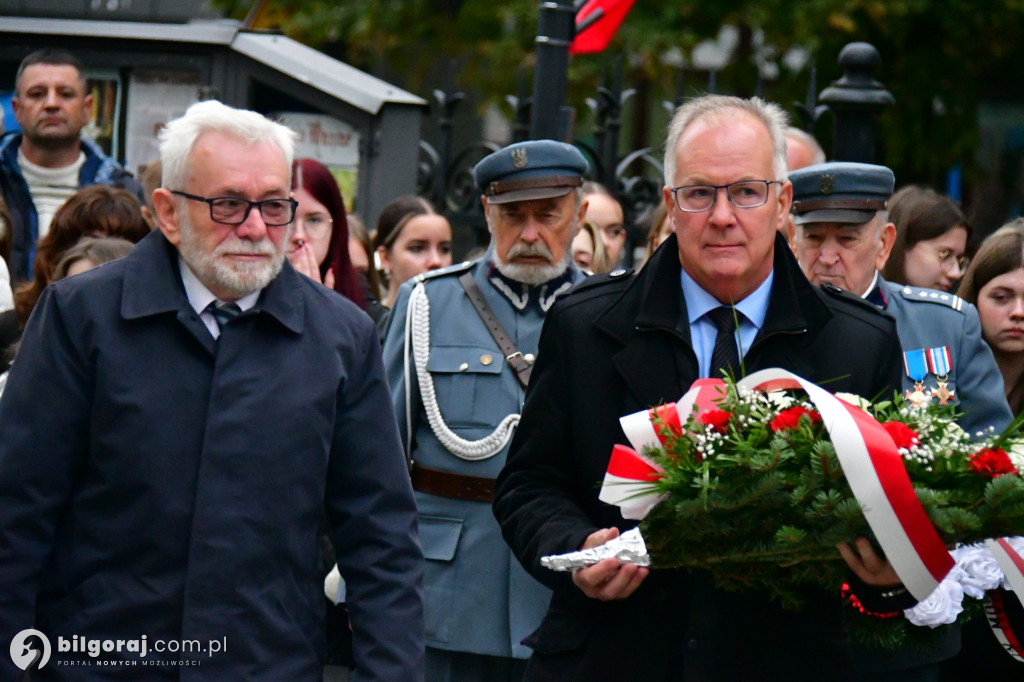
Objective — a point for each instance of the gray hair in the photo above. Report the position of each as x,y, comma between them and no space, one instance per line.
717,107
179,136
817,153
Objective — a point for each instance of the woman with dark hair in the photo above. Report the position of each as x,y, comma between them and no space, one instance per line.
85,255
994,282
411,239
93,211
319,245
931,238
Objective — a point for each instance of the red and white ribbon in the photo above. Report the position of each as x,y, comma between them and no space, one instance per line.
879,481
999,623
1012,565
627,482
869,458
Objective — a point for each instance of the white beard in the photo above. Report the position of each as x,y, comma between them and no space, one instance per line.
531,274
216,271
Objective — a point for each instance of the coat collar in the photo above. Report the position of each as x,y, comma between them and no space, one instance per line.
649,320
152,285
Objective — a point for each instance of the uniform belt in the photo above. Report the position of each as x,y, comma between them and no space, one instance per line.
455,486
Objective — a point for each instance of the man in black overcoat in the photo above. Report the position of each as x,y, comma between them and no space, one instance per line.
625,342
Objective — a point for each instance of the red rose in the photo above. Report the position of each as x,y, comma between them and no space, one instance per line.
789,418
716,419
991,463
902,435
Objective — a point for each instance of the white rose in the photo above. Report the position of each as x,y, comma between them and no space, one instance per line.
941,607
981,571
780,400
854,399
1016,453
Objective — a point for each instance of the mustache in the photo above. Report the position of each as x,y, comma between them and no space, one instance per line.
522,249
235,244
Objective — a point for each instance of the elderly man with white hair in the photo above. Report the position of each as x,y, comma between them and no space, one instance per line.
180,427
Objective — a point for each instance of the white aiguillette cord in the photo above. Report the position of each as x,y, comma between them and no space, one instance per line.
417,339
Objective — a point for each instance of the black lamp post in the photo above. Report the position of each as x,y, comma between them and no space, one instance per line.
856,100
556,27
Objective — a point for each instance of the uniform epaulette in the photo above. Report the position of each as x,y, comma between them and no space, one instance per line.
456,269
917,294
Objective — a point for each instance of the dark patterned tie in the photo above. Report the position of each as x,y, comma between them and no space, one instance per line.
725,355
223,312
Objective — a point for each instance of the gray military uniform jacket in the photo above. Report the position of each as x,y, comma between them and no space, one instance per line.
478,599
937,321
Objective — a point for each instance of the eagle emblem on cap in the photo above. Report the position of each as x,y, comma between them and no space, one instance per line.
828,183
519,159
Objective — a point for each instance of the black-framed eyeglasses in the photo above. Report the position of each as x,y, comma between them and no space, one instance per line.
742,194
235,210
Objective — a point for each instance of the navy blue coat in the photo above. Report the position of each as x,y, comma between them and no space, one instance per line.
156,482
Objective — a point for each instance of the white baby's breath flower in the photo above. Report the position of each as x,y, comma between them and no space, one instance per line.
941,607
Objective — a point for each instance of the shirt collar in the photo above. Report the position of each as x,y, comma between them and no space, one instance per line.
199,297
699,302
871,287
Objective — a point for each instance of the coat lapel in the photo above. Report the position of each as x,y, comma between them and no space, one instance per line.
656,362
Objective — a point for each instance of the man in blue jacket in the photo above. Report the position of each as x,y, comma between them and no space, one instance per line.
841,235
458,390
48,161
179,429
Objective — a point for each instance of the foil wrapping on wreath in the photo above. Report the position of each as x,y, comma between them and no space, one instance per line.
628,547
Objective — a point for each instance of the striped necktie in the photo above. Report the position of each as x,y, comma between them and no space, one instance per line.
223,312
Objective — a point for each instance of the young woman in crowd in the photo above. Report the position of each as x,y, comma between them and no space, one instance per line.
93,211
411,238
86,254
319,245
931,239
588,249
661,228
994,282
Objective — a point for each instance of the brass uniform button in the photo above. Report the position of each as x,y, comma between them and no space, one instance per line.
530,358
486,359
463,367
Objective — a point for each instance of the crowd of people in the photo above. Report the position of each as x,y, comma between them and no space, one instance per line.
224,388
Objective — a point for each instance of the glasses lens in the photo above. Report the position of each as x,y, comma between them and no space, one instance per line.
276,211
228,209
695,197
748,194
316,224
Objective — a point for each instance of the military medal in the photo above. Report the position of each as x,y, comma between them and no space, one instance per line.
916,364
943,393
939,363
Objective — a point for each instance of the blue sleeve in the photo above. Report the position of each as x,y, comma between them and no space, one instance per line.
395,360
44,426
372,517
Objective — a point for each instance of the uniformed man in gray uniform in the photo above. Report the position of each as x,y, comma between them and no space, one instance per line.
458,352
841,234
